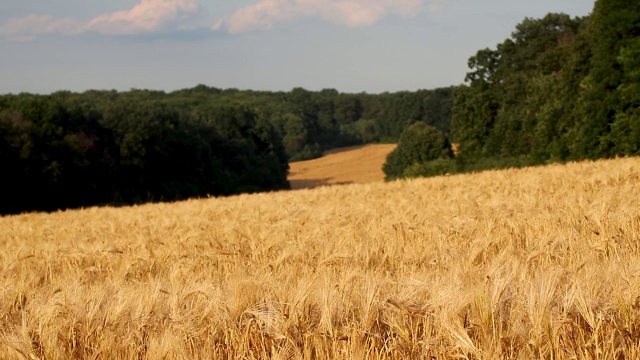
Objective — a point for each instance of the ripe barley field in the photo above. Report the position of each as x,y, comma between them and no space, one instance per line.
517,264
352,165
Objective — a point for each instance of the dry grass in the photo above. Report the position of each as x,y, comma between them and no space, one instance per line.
352,165
518,264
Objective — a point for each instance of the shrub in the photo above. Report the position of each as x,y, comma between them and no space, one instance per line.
418,144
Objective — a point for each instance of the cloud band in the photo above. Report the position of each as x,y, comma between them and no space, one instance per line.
265,14
146,17
152,16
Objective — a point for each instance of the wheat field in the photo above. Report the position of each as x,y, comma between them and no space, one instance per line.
534,263
352,165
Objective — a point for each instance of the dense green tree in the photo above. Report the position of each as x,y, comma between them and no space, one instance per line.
514,103
68,150
296,134
607,100
107,147
49,151
437,105
366,130
473,116
612,27
625,129
559,88
419,144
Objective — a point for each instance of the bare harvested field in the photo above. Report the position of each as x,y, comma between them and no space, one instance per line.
518,264
353,165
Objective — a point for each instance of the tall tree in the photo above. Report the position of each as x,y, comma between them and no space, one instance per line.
419,144
612,30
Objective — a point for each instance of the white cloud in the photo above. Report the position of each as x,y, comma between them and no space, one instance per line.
148,16
27,28
145,17
265,14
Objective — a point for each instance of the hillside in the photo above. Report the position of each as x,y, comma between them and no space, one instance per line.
352,165
69,150
515,264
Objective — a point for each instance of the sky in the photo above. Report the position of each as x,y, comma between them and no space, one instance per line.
352,46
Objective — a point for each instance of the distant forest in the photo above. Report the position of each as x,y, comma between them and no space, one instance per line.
559,89
68,150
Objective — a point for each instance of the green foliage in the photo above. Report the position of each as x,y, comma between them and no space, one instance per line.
105,147
435,167
474,112
419,144
624,136
311,122
558,89
307,152
69,150
365,130
296,134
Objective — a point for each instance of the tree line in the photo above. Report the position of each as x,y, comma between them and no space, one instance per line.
559,89
67,150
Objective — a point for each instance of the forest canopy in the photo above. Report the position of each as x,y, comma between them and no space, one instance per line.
67,150
558,89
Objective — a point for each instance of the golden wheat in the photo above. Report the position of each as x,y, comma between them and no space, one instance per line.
516,264
352,165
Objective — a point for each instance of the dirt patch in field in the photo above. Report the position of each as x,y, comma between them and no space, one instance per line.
355,164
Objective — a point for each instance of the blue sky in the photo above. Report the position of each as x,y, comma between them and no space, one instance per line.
349,45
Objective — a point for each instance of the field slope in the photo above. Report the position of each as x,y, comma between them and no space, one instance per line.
516,264
358,164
